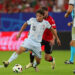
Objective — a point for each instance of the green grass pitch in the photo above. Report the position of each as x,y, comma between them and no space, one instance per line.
44,67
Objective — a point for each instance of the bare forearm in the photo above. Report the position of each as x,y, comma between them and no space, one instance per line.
68,13
22,28
54,33
56,36
69,10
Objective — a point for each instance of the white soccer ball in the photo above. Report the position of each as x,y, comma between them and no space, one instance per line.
17,68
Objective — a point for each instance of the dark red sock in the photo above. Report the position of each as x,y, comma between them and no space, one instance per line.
51,59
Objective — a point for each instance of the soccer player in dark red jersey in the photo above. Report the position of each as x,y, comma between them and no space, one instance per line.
48,40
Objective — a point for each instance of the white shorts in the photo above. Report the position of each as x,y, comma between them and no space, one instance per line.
73,33
33,46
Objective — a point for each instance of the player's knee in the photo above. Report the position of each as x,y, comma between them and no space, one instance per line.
38,62
46,58
20,50
71,43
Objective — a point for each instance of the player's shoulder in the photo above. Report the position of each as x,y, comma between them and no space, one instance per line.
45,22
50,18
32,18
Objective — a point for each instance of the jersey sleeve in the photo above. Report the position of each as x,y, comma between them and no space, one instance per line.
29,21
71,2
48,25
53,23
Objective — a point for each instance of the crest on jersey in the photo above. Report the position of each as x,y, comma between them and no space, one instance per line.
43,27
34,28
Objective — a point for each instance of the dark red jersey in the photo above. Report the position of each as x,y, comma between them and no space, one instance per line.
47,36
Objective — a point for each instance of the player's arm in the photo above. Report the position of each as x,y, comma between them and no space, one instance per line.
56,36
70,23
69,10
52,42
21,30
53,35
54,26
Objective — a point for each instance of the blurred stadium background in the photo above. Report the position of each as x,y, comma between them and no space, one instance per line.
13,13
16,6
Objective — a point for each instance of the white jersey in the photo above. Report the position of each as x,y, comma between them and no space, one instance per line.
37,29
73,3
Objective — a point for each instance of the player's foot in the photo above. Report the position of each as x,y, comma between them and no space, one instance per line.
36,69
6,63
53,64
68,62
74,71
28,66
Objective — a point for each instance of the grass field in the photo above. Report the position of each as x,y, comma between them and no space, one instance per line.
45,67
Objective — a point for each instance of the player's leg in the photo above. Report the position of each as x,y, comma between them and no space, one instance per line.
48,51
25,45
36,63
73,37
37,54
71,57
72,45
32,58
31,61
14,56
48,57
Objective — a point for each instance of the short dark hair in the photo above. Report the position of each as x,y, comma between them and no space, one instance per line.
44,8
40,11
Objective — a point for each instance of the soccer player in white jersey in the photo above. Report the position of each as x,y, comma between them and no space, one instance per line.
72,43
33,42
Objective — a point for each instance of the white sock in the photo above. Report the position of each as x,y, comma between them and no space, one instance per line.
35,64
13,57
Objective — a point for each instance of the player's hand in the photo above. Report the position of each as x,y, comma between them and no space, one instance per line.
18,36
58,42
69,24
66,15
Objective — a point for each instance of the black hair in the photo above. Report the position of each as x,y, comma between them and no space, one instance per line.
44,8
40,11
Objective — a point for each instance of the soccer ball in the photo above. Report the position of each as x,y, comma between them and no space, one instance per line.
17,68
